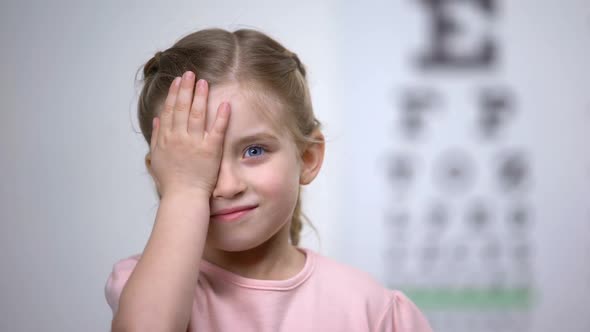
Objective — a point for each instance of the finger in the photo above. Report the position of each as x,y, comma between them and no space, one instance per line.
217,134
183,103
154,138
165,120
198,116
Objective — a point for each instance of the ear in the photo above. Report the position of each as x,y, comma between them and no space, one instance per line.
312,158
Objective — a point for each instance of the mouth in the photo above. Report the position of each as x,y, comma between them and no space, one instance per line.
233,214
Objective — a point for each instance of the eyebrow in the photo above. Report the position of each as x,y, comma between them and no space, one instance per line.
256,137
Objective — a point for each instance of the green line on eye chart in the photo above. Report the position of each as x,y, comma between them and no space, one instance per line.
470,298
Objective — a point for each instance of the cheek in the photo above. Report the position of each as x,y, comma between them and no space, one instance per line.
277,179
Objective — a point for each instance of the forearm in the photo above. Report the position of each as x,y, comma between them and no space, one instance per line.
159,293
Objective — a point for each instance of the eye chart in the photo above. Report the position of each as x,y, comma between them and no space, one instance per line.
479,157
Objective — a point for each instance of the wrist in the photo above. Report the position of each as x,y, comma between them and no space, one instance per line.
187,194
185,206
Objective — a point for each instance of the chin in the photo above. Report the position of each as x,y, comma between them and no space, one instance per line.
234,244
239,241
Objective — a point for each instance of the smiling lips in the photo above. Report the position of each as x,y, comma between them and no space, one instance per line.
233,214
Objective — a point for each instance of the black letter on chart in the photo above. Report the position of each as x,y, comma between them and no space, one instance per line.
446,30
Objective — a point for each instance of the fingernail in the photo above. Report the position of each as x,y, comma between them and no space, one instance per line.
201,84
225,109
176,81
189,75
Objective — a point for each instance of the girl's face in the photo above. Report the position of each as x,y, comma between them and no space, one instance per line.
260,171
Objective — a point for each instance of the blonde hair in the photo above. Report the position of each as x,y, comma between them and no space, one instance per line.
248,57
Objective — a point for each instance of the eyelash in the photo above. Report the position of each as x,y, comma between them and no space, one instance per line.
264,150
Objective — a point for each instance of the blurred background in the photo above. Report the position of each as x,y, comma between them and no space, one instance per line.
456,168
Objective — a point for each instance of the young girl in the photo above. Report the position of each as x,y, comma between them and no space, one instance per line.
232,137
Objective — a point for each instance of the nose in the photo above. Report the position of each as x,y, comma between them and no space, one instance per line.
229,183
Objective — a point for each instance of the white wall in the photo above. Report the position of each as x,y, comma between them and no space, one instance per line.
75,196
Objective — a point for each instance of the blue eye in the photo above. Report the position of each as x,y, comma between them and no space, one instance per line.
254,151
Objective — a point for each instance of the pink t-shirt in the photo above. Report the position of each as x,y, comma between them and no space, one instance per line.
324,296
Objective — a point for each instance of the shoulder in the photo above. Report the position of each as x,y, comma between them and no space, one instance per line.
390,310
340,274
117,279
351,289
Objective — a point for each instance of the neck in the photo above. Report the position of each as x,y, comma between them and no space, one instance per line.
275,259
